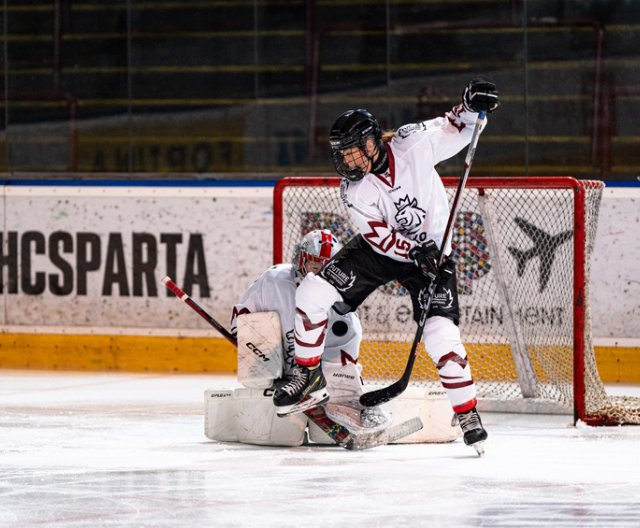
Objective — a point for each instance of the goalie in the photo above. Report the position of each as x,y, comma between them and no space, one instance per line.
274,291
262,326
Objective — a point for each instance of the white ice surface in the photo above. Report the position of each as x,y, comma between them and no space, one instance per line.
93,450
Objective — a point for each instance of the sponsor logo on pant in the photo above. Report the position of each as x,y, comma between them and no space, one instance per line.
340,280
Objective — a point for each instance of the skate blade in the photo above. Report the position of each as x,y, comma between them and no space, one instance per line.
313,400
479,448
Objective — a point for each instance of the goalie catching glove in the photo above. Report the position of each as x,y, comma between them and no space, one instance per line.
480,96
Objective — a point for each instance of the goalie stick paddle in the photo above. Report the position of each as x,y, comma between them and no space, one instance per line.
338,433
366,440
377,397
386,436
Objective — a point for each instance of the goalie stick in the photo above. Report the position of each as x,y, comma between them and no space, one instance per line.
338,433
370,399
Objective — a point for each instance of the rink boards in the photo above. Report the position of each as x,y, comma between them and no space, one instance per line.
82,264
161,353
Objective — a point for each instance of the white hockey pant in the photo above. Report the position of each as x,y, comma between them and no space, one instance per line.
443,343
314,299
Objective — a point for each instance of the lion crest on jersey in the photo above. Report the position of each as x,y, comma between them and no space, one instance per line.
409,217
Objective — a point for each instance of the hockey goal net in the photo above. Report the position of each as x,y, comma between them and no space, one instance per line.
523,248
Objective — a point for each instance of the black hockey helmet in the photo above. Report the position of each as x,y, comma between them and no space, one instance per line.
351,129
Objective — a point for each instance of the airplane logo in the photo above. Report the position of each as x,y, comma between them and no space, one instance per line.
545,246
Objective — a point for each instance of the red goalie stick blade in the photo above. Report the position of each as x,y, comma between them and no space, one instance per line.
338,433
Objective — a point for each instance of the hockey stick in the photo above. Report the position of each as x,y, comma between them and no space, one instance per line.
338,433
180,294
377,397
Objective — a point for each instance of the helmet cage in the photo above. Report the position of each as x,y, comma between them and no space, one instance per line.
305,258
342,167
353,129
316,247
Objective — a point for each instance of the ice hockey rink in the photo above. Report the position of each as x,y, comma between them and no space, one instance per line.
110,449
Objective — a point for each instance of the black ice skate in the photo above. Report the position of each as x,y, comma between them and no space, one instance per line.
306,389
474,433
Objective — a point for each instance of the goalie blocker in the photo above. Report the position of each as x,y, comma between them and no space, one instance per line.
247,414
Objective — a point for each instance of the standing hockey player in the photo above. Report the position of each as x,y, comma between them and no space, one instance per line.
275,291
398,201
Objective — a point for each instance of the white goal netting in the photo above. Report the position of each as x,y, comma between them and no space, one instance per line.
523,249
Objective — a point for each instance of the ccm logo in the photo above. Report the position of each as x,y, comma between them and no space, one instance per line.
257,351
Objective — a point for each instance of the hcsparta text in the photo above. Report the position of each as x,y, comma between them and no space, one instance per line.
63,262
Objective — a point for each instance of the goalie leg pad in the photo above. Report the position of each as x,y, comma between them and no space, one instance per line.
257,422
219,416
345,388
343,381
432,406
249,416
260,354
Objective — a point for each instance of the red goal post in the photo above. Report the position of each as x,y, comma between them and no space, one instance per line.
523,248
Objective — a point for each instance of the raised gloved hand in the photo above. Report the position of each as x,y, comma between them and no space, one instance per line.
480,95
426,258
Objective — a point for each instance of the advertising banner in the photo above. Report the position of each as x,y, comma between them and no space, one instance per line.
89,256
81,257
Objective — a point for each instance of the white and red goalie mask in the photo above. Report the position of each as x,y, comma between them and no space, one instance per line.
313,251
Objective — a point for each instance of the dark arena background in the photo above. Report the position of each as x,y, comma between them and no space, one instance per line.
247,89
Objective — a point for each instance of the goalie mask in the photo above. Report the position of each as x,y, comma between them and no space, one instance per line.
352,129
313,251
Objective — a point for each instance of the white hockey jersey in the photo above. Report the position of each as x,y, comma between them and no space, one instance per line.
407,205
275,291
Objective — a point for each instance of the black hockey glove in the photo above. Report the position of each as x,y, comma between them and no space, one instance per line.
445,272
480,96
426,258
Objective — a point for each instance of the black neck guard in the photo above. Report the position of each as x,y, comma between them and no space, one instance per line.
381,164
